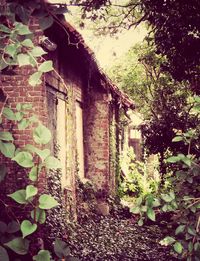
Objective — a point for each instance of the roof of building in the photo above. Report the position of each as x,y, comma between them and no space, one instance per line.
106,82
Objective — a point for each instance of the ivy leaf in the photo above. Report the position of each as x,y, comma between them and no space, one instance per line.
178,247
27,228
52,163
35,79
46,66
166,197
5,135
47,202
3,65
11,49
37,51
191,231
23,124
19,245
23,59
13,227
180,229
43,255
151,214
173,159
19,116
135,210
9,114
41,135
3,172
45,22
3,254
40,215
140,222
7,149
31,191
167,241
177,139
27,43
4,29
61,249
19,196
33,174
22,29
43,154
24,159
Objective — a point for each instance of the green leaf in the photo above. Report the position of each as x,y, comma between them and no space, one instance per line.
5,135
166,197
27,43
9,114
61,249
151,214
7,149
178,247
3,171
140,222
19,245
167,241
37,51
173,159
33,174
23,59
40,215
4,29
3,227
31,191
46,66
19,116
43,154
191,231
19,107
27,106
187,161
179,229
22,29
27,228
41,135
24,159
19,196
23,124
43,255
177,139
3,65
13,227
135,210
35,79
45,22
47,202
52,163
11,49
3,254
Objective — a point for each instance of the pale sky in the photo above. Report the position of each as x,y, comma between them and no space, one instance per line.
105,47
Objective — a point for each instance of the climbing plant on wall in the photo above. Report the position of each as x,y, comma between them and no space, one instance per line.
24,210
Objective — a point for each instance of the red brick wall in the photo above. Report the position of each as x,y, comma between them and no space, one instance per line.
96,139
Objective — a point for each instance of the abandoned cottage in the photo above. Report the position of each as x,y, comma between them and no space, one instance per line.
81,107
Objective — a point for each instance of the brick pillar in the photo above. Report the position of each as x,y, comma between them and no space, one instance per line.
96,137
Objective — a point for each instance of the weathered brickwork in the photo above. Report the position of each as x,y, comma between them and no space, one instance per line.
75,80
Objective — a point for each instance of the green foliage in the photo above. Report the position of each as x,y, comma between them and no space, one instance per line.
29,196
27,228
18,245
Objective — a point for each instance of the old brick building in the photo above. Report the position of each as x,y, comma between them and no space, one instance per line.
78,103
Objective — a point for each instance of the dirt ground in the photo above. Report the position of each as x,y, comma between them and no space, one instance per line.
110,238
